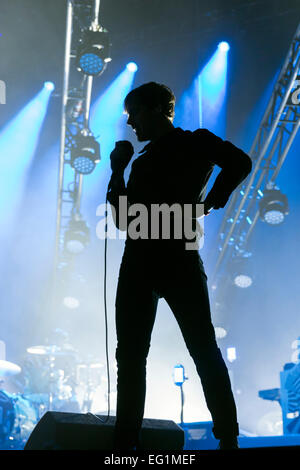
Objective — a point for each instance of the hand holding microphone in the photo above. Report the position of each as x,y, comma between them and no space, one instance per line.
216,201
121,156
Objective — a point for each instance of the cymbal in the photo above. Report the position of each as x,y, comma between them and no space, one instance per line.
96,365
8,368
52,350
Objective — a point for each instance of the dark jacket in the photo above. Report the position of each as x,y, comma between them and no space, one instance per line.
177,167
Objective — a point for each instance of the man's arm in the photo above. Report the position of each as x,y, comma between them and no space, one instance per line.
235,164
116,188
119,159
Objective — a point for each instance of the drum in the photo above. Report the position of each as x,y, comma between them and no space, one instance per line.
18,417
7,415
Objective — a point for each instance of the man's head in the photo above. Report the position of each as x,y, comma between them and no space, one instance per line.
150,109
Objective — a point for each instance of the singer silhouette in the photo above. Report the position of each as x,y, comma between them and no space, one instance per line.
174,167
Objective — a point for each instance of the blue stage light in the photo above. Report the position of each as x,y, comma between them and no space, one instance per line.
132,67
212,91
231,354
220,332
71,302
49,86
224,46
273,207
19,139
243,281
91,64
93,52
77,235
83,165
85,155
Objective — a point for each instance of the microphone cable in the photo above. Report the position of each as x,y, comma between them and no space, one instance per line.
106,328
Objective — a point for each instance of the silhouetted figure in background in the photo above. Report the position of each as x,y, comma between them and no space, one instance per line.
174,167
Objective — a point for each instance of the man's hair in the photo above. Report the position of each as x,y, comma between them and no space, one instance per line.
152,94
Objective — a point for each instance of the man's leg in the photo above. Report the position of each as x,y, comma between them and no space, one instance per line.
136,306
187,296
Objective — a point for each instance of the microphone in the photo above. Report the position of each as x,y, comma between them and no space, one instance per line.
119,158
121,155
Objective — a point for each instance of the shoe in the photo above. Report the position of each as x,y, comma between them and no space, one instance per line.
228,443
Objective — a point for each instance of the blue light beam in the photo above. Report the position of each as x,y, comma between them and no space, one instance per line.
18,141
108,124
132,67
203,104
49,86
212,83
107,118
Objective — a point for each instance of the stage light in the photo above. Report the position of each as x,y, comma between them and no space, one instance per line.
71,302
19,139
107,119
76,236
224,46
212,85
132,67
274,217
85,154
241,272
93,52
220,332
273,207
231,354
243,281
49,86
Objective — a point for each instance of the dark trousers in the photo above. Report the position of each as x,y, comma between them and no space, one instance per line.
148,272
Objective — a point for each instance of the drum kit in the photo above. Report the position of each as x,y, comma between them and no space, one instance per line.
55,379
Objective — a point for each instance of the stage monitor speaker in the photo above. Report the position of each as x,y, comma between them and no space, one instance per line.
74,431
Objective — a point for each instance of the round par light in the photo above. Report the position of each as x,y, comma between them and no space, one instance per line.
224,46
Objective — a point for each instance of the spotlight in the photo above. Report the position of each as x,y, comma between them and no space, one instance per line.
49,86
273,207
93,52
242,280
132,67
76,236
231,354
71,302
224,46
85,154
220,332
241,272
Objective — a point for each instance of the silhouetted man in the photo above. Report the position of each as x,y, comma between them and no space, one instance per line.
174,167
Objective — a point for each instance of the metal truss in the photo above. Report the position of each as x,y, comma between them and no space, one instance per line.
81,15
269,150
76,99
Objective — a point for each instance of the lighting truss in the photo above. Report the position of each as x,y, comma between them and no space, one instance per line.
269,150
81,16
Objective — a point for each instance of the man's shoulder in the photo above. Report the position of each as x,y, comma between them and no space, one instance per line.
199,137
204,133
200,132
